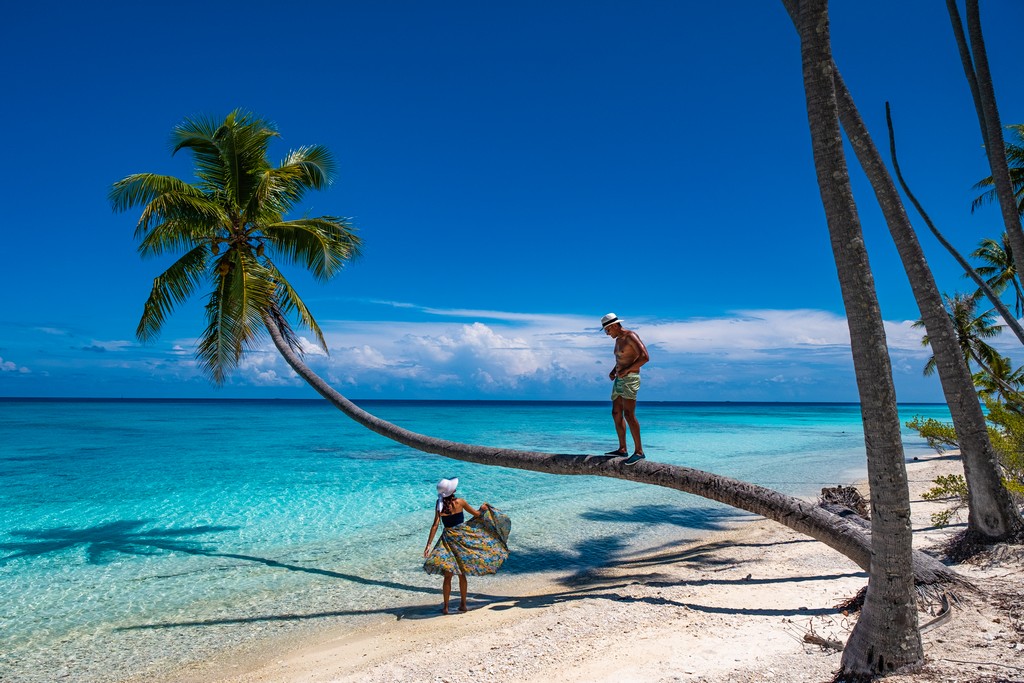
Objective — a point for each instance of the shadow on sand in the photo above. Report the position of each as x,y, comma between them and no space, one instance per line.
591,557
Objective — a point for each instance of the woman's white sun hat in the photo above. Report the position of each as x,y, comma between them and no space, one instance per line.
445,488
609,319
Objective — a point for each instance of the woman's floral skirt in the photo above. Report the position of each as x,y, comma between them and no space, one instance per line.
473,548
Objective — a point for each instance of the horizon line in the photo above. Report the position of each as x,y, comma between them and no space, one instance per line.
124,399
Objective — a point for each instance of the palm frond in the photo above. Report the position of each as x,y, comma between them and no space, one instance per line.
280,189
234,313
199,213
288,301
242,142
218,353
314,164
253,287
323,245
174,237
196,134
141,188
171,288
166,199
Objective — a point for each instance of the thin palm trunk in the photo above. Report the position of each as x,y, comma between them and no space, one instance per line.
885,638
979,77
990,509
1010,320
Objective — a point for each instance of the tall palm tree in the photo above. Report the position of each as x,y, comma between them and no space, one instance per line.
231,225
1000,271
1015,163
223,212
992,513
885,638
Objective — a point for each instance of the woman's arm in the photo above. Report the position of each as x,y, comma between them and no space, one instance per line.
433,530
483,508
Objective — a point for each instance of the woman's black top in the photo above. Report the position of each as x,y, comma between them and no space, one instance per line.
452,520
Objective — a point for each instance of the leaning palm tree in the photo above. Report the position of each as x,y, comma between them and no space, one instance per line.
238,208
231,225
999,270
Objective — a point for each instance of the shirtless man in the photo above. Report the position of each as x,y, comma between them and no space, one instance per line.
630,354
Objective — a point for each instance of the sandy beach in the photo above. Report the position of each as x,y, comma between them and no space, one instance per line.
735,606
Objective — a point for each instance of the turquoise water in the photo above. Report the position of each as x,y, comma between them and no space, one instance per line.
136,533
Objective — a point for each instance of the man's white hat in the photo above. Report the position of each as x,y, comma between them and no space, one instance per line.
609,319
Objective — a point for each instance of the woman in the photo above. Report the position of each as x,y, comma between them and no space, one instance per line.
476,547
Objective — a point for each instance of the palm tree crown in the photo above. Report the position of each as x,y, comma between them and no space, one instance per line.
971,329
1015,160
231,227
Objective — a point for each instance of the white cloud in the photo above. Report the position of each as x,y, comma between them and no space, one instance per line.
458,353
11,366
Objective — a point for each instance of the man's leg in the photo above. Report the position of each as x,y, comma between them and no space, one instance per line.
629,417
446,591
620,426
463,585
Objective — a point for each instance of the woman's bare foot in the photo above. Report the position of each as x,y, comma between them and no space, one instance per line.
444,609
463,608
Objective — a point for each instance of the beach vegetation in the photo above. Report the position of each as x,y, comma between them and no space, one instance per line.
1006,431
951,488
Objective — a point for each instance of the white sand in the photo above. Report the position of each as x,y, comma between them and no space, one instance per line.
732,607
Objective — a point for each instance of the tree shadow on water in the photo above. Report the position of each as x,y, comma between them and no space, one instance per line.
102,543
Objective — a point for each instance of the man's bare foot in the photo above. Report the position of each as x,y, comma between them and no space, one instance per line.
444,609
463,608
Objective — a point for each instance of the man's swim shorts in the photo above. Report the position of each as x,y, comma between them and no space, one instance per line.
626,387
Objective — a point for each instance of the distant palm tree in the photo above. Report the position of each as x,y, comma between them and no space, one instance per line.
231,226
1015,161
971,329
1002,382
1000,272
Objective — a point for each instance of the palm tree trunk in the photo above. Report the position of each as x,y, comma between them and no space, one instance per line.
991,512
847,538
980,80
1010,320
885,638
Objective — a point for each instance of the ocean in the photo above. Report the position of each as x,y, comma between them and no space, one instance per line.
138,536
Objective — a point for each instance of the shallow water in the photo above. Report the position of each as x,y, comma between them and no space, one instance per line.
137,533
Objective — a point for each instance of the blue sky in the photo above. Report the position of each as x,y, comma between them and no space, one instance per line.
516,171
